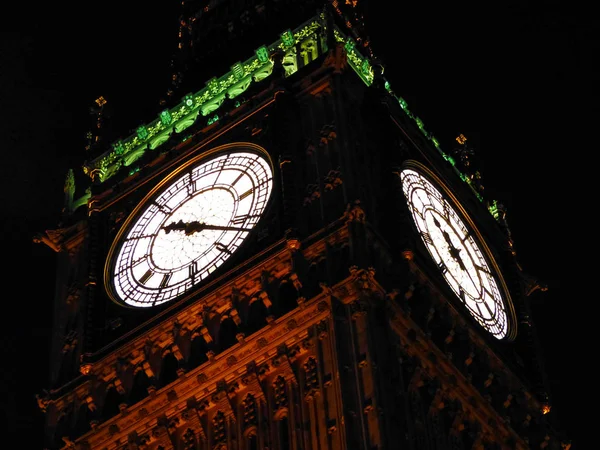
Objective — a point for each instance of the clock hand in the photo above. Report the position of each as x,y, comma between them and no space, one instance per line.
223,227
454,252
196,226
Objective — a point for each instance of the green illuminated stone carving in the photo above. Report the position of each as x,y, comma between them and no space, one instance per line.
238,71
160,139
311,37
420,124
403,103
165,117
349,45
213,86
118,148
239,87
142,132
132,156
365,67
263,72
186,122
134,170
212,105
287,38
494,209
310,30
262,54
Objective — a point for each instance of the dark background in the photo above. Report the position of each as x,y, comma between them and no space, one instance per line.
511,80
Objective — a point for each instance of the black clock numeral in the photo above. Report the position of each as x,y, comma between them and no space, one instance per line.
223,248
237,220
263,181
479,313
415,211
447,210
434,198
487,306
482,269
246,194
193,268
240,176
442,267
163,208
427,238
146,276
487,291
165,281
137,238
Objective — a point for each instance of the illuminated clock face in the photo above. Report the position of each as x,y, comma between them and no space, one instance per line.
455,250
187,227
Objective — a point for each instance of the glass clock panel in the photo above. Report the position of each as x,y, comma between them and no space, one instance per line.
452,245
189,227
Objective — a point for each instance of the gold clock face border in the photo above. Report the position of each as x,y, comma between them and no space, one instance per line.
162,186
451,198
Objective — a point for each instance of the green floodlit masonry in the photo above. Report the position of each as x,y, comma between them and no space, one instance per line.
304,42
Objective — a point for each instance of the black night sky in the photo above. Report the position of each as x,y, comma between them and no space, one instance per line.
510,80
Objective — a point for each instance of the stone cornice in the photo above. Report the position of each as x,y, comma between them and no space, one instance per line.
63,239
437,365
200,385
494,359
191,319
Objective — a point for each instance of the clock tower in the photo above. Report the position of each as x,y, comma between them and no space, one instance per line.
285,257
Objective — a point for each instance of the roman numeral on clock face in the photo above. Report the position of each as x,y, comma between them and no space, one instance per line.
427,238
223,248
442,267
246,194
238,178
193,269
146,276
237,220
165,280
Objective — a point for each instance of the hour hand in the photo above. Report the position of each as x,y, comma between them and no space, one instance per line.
454,252
187,227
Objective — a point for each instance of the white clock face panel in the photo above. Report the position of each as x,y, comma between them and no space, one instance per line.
188,227
456,252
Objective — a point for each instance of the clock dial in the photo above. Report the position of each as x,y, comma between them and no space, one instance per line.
455,249
187,227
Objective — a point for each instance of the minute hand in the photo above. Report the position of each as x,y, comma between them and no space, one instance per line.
195,226
224,227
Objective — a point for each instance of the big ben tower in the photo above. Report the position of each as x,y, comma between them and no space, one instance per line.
285,257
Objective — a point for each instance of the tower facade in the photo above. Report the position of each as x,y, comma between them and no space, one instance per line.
286,258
